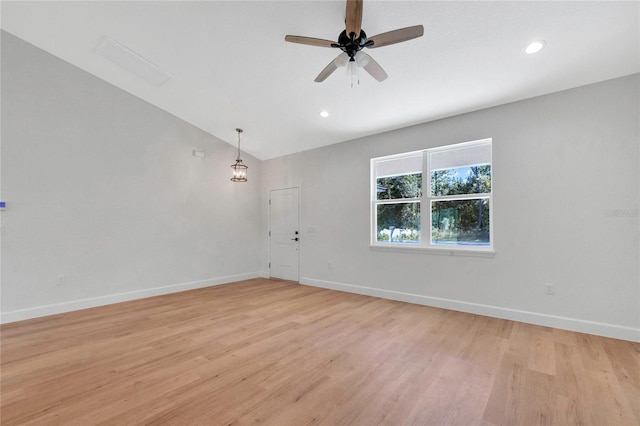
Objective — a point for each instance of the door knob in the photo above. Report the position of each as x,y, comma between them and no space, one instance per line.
294,239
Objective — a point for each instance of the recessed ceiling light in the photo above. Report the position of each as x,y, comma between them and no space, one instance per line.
535,46
324,114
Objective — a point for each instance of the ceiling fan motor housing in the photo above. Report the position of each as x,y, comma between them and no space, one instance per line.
351,45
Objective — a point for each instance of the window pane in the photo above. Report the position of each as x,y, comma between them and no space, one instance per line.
460,222
461,180
399,223
404,186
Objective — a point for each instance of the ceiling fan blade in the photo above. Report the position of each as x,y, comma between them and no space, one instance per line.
353,18
309,41
340,60
372,67
396,36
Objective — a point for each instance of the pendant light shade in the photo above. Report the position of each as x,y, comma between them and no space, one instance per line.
239,168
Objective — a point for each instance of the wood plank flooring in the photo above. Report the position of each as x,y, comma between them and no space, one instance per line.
279,353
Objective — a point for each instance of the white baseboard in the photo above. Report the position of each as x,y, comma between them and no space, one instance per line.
75,305
572,324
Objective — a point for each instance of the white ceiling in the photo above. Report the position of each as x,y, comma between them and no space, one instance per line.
232,68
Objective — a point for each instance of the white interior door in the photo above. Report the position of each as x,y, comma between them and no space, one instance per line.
284,236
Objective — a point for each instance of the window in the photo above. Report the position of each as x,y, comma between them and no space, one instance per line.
454,210
398,195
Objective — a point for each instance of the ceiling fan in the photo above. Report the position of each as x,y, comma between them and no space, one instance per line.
353,39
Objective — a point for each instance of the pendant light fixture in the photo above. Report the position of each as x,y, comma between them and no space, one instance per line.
239,168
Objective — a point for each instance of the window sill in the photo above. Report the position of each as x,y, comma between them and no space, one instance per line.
445,251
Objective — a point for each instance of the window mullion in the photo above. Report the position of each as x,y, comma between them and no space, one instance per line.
425,207
461,197
398,201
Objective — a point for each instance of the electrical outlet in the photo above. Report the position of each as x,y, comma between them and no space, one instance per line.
61,280
549,288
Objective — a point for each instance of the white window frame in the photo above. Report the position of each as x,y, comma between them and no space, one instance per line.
425,202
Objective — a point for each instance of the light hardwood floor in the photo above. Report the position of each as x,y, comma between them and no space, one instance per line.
278,353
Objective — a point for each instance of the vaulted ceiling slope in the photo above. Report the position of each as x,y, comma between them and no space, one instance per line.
230,66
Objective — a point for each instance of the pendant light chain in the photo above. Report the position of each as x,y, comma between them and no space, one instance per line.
239,131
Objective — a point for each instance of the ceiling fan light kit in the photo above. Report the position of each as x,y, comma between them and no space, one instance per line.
352,40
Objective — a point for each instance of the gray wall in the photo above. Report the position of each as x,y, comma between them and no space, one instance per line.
561,164
102,187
